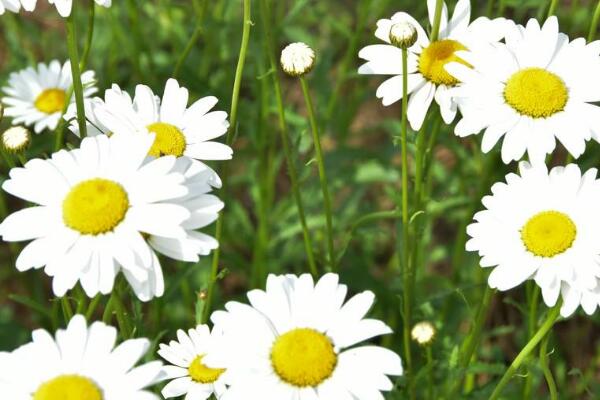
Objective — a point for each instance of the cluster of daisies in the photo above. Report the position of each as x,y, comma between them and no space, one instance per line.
529,85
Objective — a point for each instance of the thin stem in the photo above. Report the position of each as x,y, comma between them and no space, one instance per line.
490,8
533,294
546,368
10,163
430,384
76,72
89,37
437,18
406,275
551,319
283,129
66,309
322,173
594,24
193,39
552,8
230,134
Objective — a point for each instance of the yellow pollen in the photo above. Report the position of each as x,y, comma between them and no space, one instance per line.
51,101
201,373
548,233
95,206
169,140
303,357
68,387
434,58
536,93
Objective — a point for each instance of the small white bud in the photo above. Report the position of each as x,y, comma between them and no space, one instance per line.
403,34
423,333
297,59
16,139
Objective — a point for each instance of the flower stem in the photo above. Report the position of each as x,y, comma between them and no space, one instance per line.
322,173
546,368
76,73
435,29
230,134
552,8
551,319
594,24
283,129
406,273
193,39
533,294
89,38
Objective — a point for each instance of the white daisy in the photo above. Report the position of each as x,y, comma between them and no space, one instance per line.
92,206
189,375
37,97
544,226
10,5
297,341
532,90
81,362
180,130
427,78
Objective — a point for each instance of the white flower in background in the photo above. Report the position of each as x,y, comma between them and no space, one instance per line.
297,59
180,130
92,206
16,139
188,374
544,226
81,362
10,5
427,77
532,90
423,333
37,96
298,340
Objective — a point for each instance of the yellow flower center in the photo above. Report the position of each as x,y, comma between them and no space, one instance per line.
169,141
434,58
51,101
201,373
536,93
548,233
303,357
68,387
95,206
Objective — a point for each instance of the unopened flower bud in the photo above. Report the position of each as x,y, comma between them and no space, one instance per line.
16,139
297,59
423,333
403,34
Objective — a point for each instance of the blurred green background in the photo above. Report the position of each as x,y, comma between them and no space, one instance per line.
139,41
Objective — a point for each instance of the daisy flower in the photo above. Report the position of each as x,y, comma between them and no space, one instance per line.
37,96
532,90
180,130
188,374
81,362
92,207
10,5
543,226
427,78
297,340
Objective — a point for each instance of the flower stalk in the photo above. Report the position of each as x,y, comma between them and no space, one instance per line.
76,73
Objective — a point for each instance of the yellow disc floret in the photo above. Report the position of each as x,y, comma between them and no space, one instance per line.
68,387
548,233
536,93
201,373
303,357
51,101
169,141
434,58
95,206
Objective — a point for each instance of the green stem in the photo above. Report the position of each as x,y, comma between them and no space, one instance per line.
406,273
546,368
551,319
230,134
322,173
283,129
552,8
193,39
89,37
430,384
594,24
66,309
490,8
437,18
76,72
533,294
10,163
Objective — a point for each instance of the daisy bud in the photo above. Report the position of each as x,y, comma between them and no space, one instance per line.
16,139
403,35
423,333
297,59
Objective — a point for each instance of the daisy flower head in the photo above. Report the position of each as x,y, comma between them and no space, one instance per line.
188,374
427,77
535,88
543,226
179,130
16,139
92,206
37,96
297,59
298,340
80,362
